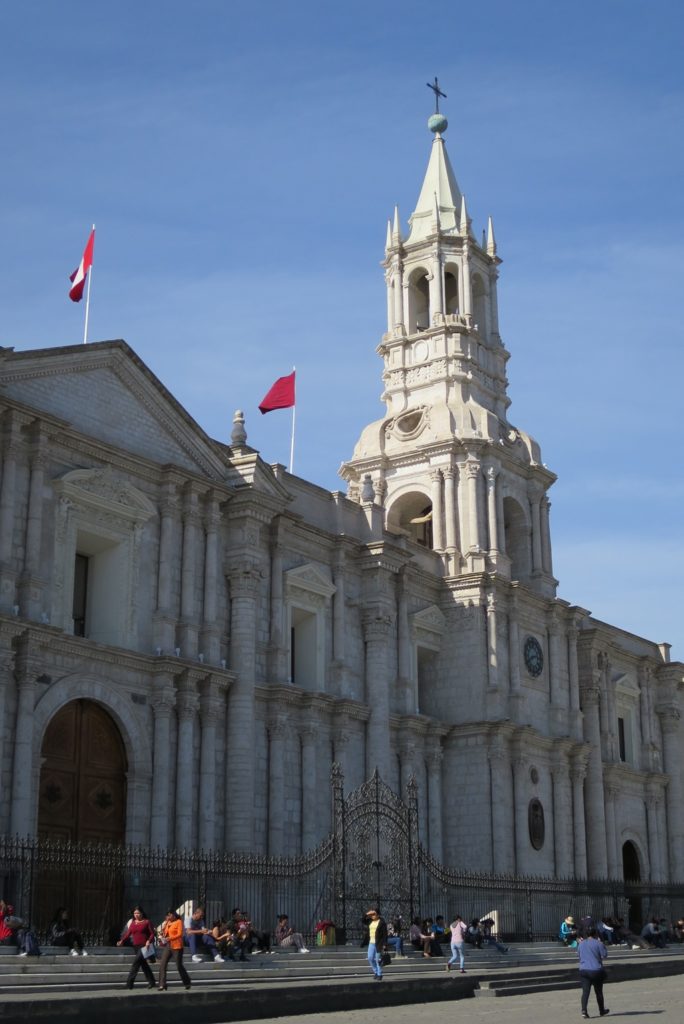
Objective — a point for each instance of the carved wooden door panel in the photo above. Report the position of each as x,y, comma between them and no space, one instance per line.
82,798
83,778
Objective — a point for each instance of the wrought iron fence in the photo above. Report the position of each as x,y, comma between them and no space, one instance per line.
100,884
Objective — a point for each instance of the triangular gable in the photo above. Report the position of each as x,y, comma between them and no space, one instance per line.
309,577
429,621
105,391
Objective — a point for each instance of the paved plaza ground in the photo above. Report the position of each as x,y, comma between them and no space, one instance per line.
660,1000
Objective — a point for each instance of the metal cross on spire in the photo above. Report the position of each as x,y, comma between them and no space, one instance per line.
438,92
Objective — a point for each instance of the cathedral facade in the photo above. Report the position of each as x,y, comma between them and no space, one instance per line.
190,637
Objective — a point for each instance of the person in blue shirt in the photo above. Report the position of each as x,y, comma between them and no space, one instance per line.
592,953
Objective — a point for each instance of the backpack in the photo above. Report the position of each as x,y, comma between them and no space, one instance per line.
30,944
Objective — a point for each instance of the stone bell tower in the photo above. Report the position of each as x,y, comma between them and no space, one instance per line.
452,473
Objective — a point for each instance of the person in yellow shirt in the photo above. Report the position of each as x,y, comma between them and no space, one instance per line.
377,929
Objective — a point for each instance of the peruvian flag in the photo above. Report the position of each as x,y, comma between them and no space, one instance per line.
280,396
78,278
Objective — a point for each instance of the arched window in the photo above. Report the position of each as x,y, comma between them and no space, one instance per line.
418,301
631,868
517,535
479,304
411,514
451,304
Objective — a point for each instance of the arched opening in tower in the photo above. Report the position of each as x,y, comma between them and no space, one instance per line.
451,305
518,539
411,515
479,304
418,301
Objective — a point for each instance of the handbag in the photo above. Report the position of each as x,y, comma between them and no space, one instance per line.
149,952
385,959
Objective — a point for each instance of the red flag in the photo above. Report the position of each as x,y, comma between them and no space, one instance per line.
78,278
281,395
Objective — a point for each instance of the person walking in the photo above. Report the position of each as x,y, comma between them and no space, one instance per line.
377,936
458,934
172,932
592,953
141,933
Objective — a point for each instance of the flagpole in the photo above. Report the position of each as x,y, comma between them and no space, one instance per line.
87,309
294,409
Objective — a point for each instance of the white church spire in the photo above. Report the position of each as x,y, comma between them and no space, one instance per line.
439,187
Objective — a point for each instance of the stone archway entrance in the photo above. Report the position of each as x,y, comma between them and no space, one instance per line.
82,798
631,872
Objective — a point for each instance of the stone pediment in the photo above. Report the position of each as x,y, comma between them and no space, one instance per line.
105,392
430,620
105,490
310,578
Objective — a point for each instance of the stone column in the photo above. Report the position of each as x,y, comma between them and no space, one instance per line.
437,518
434,773
557,692
653,798
515,692
594,808
662,833
341,751
672,750
277,644
520,795
645,682
467,289
547,563
277,732
339,616
165,618
562,815
32,583
310,834
163,703
191,557
8,508
398,293
492,522
492,642
377,629
408,754
21,818
578,773
503,828
493,300
535,496
212,714
450,512
240,781
472,468
436,304
573,678
187,704
211,641
614,866
406,682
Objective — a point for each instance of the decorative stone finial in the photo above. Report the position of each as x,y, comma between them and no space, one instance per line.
367,492
238,437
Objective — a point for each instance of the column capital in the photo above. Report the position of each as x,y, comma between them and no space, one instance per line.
472,467
436,474
376,625
341,738
163,698
187,697
670,717
278,727
434,759
212,700
491,473
499,748
553,622
245,576
448,472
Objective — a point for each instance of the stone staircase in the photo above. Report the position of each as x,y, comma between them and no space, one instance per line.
525,968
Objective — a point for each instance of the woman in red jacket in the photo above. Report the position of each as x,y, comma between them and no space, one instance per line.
141,934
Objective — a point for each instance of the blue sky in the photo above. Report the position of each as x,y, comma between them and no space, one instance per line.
240,163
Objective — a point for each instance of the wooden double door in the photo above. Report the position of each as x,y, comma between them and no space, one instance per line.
82,798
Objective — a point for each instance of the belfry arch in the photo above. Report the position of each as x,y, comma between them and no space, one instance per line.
411,515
